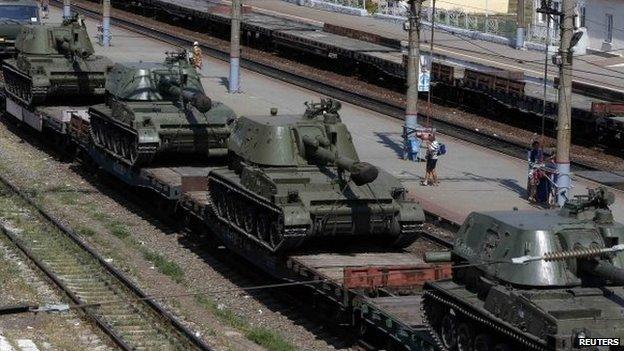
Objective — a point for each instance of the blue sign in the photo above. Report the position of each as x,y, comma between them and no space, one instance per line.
423,81
424,73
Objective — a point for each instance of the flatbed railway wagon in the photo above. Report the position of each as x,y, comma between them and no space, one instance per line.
53,121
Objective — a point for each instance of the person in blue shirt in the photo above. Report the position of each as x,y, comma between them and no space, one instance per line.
536,153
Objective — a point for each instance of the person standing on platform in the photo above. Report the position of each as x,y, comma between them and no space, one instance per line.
197,57
535,156
433,148
45,8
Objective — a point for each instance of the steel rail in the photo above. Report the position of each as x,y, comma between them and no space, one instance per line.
166,317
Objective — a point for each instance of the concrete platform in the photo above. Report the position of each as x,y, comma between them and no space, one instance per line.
472,177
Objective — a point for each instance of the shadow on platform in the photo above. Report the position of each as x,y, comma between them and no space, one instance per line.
506,183
392,140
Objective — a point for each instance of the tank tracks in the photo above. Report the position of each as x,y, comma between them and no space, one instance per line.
263,222
20,86
120,141
252,216
459,311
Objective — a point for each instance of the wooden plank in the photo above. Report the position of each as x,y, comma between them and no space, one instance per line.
404,309
331,265
397,277
164,176
333,260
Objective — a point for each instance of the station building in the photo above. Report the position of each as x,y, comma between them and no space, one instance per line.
604,21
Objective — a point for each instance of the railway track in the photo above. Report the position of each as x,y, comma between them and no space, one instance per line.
107,298
386,107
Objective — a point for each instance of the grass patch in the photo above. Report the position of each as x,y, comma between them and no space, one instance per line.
14,284
223,314
264,337
66,194
119,230
85,231
69,198
164,266
269,339
96,212
100,216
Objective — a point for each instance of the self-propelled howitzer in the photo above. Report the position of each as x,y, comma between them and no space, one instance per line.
55,60
159,109
533,280
293,179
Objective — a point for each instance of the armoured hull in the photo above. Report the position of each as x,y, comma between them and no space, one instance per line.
35,80
523,319
548,280
300,205
170,131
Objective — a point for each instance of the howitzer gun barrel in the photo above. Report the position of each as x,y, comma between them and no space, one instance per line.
361,172
199,100
65,47
604,269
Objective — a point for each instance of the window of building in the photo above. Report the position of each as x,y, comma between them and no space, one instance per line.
609,21
582,16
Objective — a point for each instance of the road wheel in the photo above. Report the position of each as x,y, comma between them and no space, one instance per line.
262,227
240,213
134,151
448,331
277,233
232,210
465,337
221,205
483,342
249,218
502,347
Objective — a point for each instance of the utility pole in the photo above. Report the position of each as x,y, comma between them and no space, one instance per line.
66,9
413,65
564,130
520,27
234,86
546,8
106,35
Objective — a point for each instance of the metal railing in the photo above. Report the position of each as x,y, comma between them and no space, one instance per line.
350,3
487,22
537,33
393,8
503,25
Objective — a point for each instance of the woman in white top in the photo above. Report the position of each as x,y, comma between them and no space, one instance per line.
433,147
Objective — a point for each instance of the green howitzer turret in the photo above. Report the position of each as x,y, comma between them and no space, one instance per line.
159,109
55,60
297,179
533,280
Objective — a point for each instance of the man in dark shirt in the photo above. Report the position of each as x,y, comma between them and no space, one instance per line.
535,156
